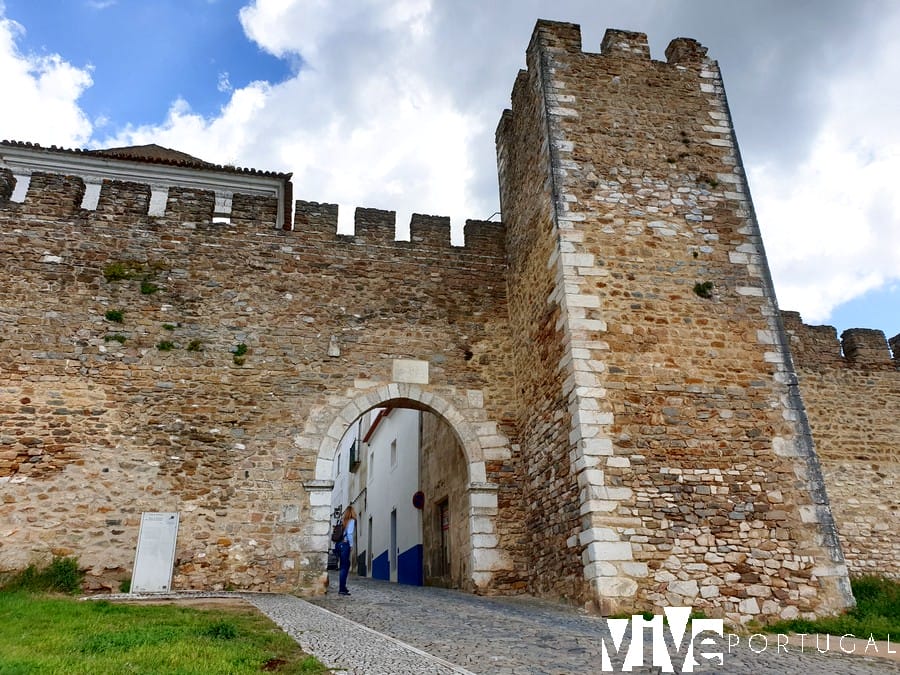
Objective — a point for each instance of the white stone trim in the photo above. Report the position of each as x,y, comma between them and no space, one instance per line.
94,169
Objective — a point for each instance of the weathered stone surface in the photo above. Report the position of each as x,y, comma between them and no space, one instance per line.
851,388
628,216
610,363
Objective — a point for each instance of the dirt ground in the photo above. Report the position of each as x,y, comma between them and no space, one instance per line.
195,603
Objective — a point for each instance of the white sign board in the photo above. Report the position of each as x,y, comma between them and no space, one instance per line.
155,553
408,370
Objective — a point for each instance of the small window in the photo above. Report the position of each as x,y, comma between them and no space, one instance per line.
354,455
394,453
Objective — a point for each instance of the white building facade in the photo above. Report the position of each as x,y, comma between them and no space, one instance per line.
377,470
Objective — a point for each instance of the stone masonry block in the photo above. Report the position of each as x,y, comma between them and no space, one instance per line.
609,550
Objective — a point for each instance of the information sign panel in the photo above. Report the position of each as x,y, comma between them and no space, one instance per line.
155,553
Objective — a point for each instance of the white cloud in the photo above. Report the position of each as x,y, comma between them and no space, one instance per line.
45,90
224,83
221,139
304,27
358,125
832,223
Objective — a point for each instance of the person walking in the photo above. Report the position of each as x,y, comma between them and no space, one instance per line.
345,546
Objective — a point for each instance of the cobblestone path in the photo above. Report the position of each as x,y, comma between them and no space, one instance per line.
396,629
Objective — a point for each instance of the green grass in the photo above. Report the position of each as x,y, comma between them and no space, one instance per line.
64,636
116,271
877,613
61,575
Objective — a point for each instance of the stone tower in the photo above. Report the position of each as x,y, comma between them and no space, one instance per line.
669,457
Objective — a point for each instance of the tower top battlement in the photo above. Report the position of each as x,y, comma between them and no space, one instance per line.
616,43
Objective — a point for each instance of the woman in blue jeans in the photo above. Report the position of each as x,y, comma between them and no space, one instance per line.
344,547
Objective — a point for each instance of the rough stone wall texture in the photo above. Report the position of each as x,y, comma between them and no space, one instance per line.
124,390
611,361
548,489
696,476
851,388
442,477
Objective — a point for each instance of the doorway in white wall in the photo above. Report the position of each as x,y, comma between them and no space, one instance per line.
395,464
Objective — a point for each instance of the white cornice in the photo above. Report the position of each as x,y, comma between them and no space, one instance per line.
94,169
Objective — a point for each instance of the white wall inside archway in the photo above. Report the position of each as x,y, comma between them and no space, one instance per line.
477,440
387,457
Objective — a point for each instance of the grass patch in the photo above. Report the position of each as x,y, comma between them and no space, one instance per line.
116,337
41,634
165,345
877,613
195,346
115,315
148,288
61,576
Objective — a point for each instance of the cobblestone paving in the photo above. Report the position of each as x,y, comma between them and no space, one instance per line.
345,645
387,629
502,636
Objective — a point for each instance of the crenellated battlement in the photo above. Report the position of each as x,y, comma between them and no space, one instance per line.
819,347
49,196
555,36
625,43
378,227
140,182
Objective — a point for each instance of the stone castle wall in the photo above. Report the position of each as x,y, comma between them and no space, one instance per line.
610,359
851,388
549,491
98,423
441,476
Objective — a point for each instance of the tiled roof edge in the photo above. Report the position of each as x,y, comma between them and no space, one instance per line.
196,164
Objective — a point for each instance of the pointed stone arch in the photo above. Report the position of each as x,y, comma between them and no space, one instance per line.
479,439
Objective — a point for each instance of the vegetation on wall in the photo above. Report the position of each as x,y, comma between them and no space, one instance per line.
704,289
239,354
61,575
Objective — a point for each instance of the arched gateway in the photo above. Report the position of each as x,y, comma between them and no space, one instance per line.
478,438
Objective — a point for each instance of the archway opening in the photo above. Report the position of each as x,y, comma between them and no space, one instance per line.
403,468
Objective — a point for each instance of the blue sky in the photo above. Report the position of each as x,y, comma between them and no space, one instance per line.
393,104
153,51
